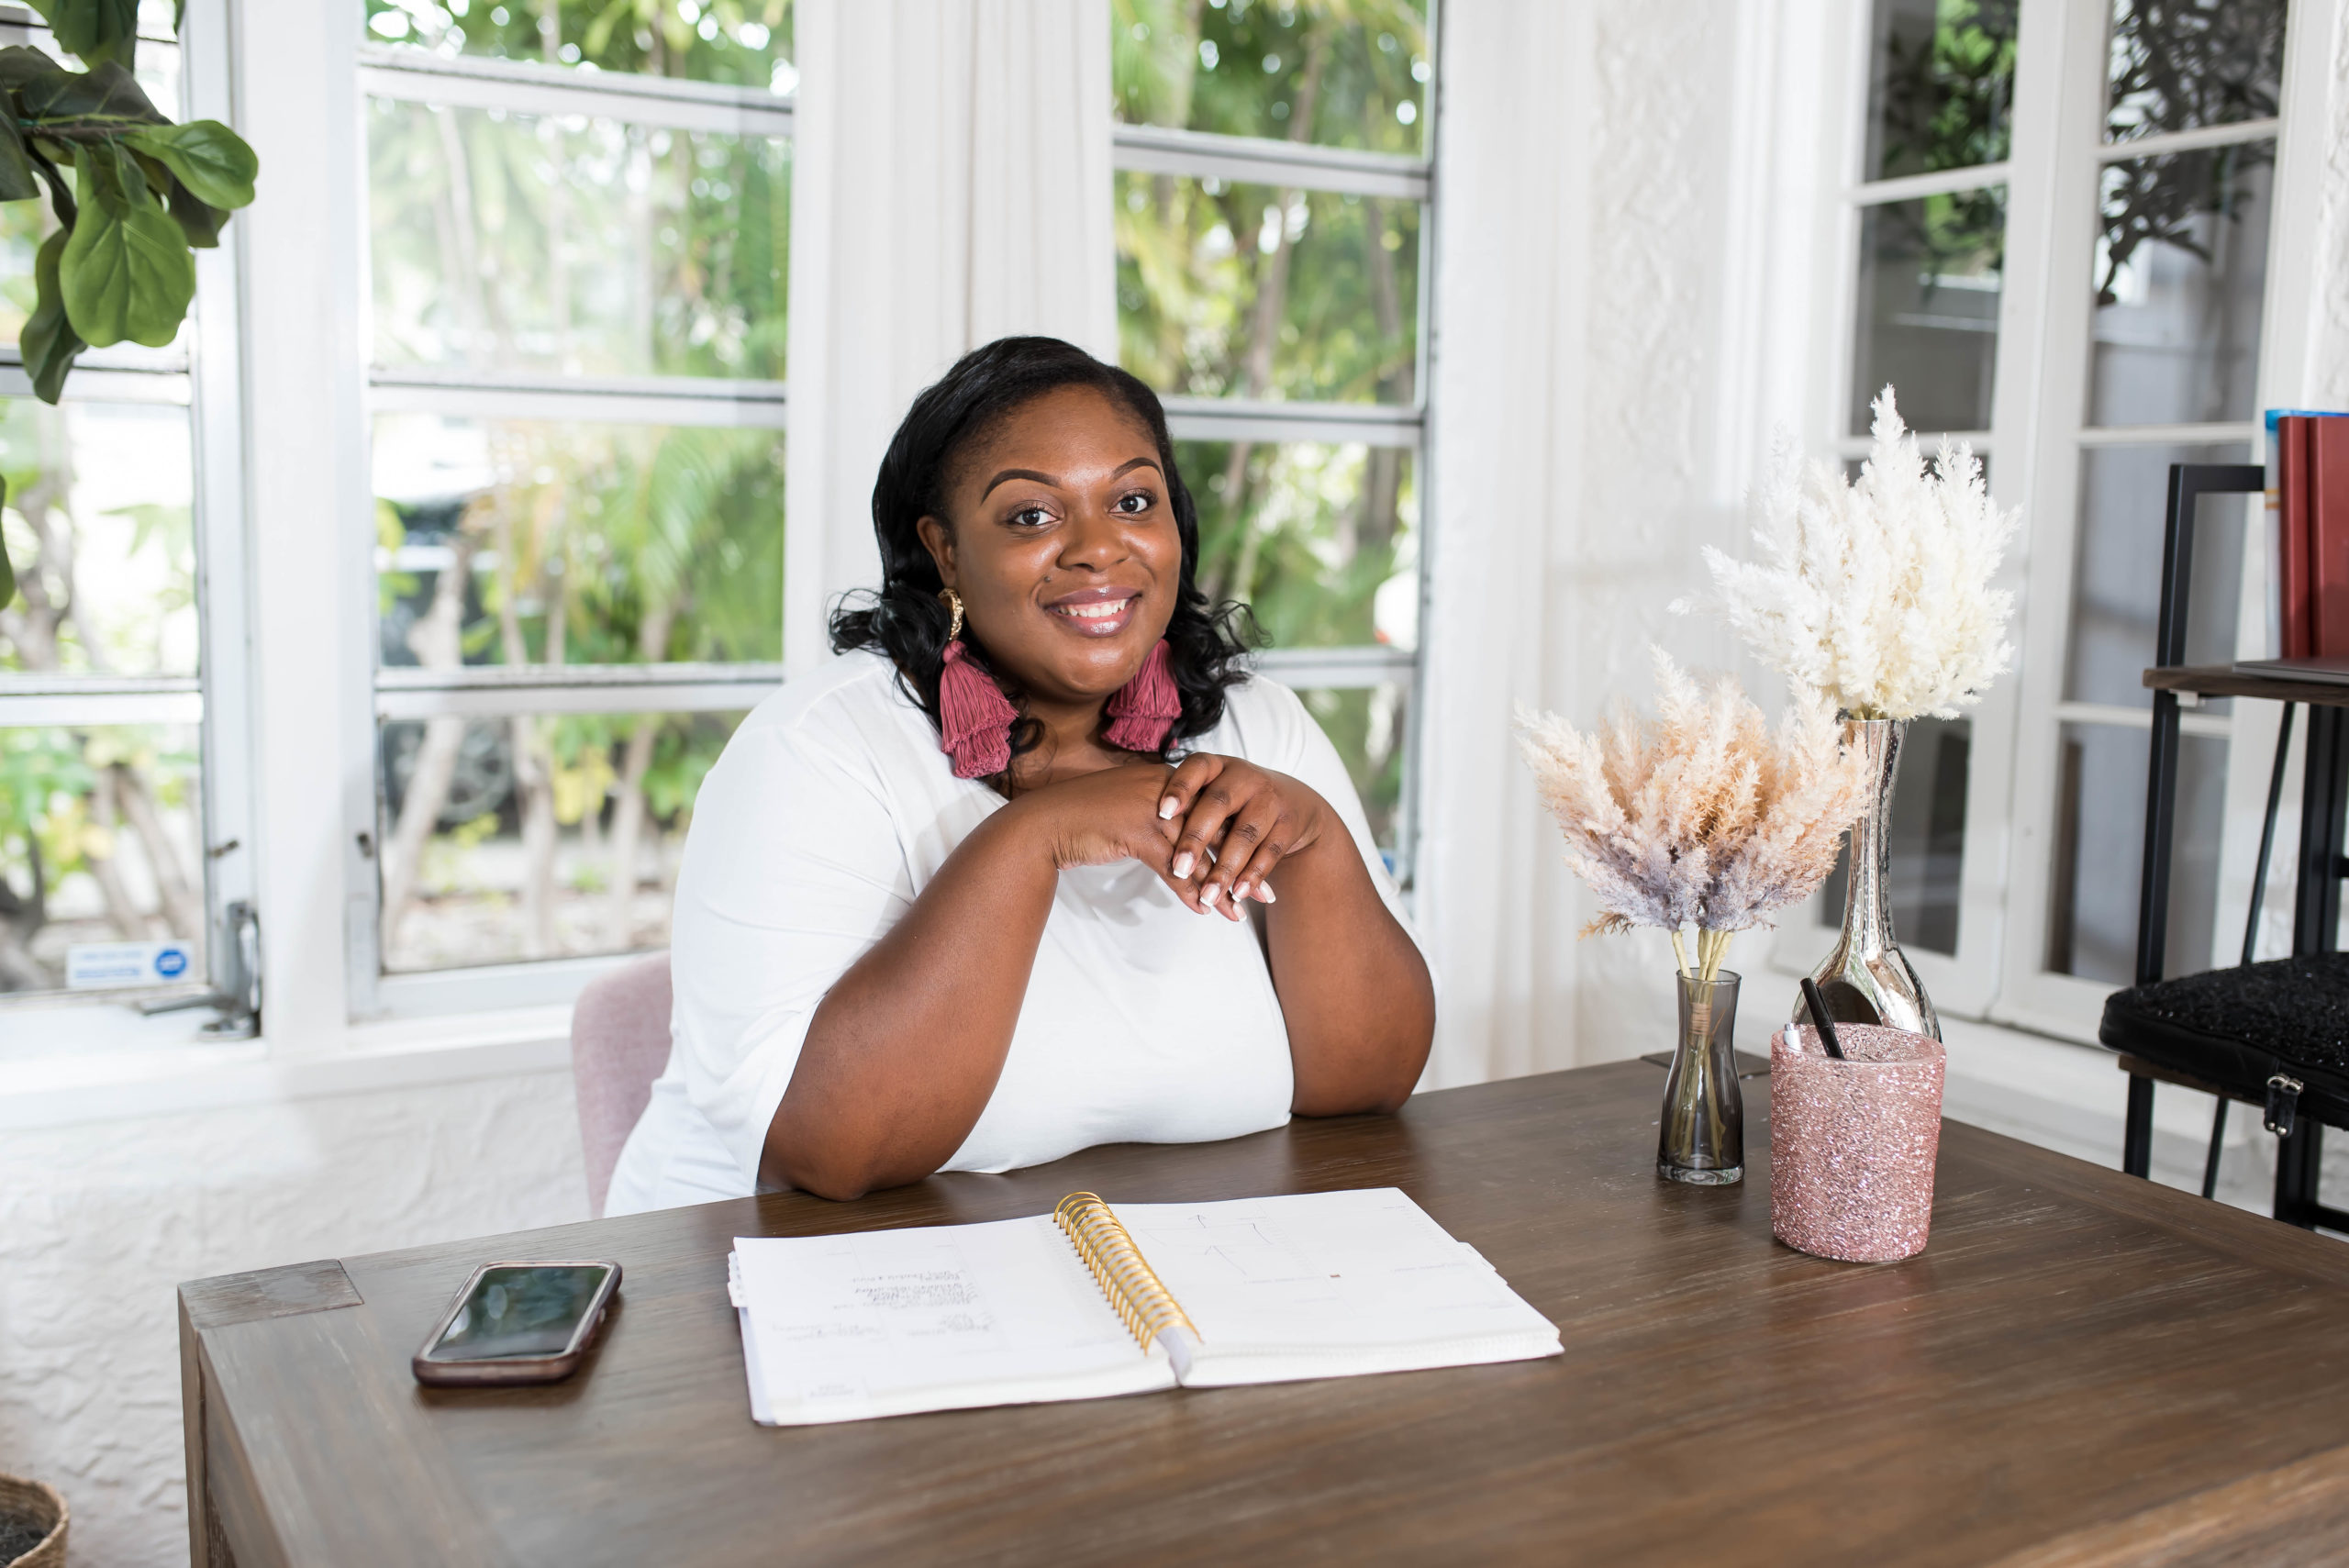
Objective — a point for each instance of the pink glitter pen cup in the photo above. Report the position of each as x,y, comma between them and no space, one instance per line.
1853,1142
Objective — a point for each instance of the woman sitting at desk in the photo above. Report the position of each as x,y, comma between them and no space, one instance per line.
1035,864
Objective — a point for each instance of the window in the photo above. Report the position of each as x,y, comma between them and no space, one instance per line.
2056,221
124,802
578,235
1272,222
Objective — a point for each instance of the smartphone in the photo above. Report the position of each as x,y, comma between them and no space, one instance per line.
518,1322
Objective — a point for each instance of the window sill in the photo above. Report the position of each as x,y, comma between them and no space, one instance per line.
2074,1099
128,1066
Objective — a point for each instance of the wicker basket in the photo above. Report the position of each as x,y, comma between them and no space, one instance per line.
40,1503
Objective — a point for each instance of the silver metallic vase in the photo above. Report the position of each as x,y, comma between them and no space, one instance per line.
1867,980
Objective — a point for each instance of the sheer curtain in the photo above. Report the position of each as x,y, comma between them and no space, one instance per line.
951,185
1505,591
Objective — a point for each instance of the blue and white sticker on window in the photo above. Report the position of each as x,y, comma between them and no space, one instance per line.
106,966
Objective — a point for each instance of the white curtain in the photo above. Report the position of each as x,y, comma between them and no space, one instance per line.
1513,163
951,185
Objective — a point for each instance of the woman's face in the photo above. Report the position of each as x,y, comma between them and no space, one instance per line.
1062,541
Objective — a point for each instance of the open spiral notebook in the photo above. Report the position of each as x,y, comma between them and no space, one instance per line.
1090,1301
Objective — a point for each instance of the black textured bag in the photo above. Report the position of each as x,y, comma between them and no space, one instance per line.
2287,1019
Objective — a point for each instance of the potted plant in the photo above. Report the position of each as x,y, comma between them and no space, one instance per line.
1878,593
142,196
32,1525
1702,817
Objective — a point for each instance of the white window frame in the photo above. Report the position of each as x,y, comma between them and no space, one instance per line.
2038,431
1306,166
204,377
416,75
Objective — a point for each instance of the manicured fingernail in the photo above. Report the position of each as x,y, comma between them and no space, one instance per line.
1183,864
1168,807
1208,896
1239,891
1265,892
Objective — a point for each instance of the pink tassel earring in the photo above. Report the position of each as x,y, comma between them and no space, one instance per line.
975,718
1146,707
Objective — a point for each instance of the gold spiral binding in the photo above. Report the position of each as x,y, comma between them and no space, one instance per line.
1133,1291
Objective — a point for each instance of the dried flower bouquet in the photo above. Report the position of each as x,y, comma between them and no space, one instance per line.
1701,817
1876,594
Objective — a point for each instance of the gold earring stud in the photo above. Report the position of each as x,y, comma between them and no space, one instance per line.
953,601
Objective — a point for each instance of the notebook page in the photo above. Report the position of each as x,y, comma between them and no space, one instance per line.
1318,1284
941,1318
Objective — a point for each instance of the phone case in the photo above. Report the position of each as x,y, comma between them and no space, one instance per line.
519,1369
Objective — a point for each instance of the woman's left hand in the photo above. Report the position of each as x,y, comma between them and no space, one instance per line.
1238,822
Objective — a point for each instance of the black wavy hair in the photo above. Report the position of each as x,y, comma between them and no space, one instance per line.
906,619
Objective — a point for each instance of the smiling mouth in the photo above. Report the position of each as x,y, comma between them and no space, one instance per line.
1100,617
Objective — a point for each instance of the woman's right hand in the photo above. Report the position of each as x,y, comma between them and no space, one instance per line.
1099,818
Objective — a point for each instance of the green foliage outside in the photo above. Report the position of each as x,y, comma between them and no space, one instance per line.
1241,291
1942,98
577,248
738,42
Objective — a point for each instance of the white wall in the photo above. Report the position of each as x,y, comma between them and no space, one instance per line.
1587,249
100,1220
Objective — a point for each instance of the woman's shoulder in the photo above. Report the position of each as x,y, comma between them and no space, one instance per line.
836,700
1263,720
848,714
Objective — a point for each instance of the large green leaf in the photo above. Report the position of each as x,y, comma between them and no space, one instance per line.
199,224
209,158
8,573
48,341
95,29
16,182
61,189
125,273
20,64
101,98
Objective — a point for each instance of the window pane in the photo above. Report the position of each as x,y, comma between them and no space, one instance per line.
1928,308
1343,76
1366,724
99,843
2176,65
2181,268
587,247
514,838
1941,86
1928,839
1322,542
2100,847
518,542
1246,291
2117,572
741,42
97,527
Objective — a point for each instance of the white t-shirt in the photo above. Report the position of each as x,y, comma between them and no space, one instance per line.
829,812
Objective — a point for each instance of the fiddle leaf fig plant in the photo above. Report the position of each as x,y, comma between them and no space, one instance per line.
135,196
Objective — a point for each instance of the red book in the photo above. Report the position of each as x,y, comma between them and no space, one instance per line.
2294,589
2328,536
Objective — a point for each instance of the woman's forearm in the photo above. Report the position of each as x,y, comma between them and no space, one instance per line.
904,1051
1352,987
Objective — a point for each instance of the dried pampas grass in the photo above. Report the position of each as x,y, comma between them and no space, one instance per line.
1701,817
1876,594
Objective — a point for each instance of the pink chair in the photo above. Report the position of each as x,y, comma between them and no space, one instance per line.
619,1043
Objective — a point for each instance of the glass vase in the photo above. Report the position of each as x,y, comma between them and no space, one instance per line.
1700,1137
1867,979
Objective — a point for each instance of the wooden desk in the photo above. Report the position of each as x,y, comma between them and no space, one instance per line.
2081,1369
